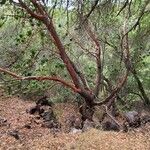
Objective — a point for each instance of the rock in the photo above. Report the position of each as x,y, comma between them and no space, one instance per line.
87,124
28,126
74,130
48,124
41,105
3,121
48,115
110,126
73,122
15,134
51,124
77,123
32,110
44,102
133,119
49,119
44,111
145,119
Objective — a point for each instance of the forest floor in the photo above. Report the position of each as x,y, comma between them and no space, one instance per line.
39,138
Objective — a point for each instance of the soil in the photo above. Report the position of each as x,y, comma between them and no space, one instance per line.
21,131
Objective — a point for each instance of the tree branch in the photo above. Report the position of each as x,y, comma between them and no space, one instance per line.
139,18
39,6
107,112
115,90
50,27
28,10
62,52
125,48
40,78
98,60
92,9
123,7
81,76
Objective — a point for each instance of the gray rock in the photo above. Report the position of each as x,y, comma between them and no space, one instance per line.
15,134
74,130
110,126
87,125
133,118
145,119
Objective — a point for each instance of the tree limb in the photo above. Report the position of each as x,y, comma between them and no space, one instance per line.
39,6
37,16
123,7
50,27
107,112
40,78
125,48
139,18
98,60
92,9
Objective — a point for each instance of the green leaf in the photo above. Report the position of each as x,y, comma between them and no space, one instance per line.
2,2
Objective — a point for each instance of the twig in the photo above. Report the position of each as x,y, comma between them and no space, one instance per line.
106,110
123,7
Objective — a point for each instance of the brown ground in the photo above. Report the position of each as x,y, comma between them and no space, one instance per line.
40,138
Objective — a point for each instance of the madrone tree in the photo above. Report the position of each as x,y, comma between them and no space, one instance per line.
41,11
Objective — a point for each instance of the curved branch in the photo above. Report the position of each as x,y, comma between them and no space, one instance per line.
126,54
40,78
123,7
50,27
39,6
92,9
107,112
37,16
115,91
142,12
81,76
98,60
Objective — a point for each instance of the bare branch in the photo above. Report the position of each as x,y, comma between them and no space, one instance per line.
40,78
39,6
83,48
98,60
92,9
50,26
107,112
37,16
123,7
138,20
115,90
125,48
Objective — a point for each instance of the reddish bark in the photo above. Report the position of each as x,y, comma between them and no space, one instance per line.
98,59
41,78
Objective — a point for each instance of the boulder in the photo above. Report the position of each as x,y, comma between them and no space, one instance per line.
145,119
74,130
110,126
87,125
133,119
